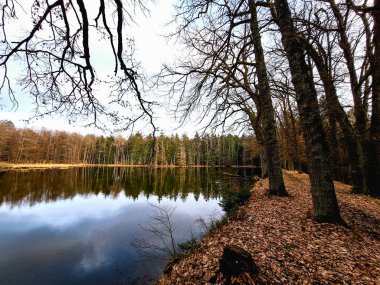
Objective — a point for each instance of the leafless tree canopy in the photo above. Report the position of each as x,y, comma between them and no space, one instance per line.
325,48
218,71
56,55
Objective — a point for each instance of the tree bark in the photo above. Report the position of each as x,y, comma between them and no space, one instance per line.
264,163
276,181
375,118
325,204
259,137
356,153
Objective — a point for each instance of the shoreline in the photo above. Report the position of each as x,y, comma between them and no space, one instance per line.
4,166
289,247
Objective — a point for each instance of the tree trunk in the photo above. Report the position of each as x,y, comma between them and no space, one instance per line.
375,119
259,138
325,204
276,181
333,145
295,143
263,163
356,152
360,112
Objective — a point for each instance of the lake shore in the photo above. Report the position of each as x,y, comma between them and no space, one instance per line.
26,166
30,166
4,166
287,246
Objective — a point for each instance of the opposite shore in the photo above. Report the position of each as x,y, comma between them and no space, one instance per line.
4,166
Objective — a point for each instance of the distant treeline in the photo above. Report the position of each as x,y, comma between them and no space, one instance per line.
24,188
45,146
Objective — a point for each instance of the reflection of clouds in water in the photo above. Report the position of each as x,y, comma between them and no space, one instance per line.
94,257
66,213
12,223
87,237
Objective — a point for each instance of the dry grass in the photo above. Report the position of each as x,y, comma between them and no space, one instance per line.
24,166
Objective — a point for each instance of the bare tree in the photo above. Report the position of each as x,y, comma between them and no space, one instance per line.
341,40
276,182
325,204
319,38
355,80
56,54
227,72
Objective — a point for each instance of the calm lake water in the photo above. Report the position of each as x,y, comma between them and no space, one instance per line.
78,226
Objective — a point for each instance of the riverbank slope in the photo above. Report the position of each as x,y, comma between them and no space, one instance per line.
287,245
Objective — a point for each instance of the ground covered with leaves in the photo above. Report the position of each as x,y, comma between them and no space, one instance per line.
287,245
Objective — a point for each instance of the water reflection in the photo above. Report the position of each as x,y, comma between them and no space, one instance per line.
37,186
76,226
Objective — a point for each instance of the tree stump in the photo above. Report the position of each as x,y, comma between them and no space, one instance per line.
236,261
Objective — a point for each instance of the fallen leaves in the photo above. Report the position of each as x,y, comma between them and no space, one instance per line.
288,246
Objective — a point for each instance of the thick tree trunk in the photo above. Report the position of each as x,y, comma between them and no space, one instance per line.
375,118
276,181
356,152
325,204
259,137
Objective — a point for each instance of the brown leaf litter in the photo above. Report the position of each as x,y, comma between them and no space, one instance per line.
287,245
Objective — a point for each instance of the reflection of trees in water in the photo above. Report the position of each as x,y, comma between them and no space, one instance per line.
35,186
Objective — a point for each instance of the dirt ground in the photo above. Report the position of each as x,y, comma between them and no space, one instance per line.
287,245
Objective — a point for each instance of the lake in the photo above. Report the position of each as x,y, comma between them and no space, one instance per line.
82,225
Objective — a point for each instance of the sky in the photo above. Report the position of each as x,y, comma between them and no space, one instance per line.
152,50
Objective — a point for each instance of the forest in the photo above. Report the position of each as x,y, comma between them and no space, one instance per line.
45,146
